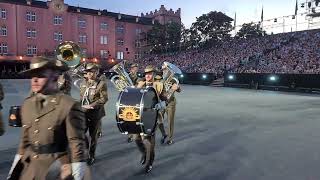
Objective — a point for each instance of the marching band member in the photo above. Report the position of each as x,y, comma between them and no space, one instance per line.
53,127
94,95
134,78
171,106
146,144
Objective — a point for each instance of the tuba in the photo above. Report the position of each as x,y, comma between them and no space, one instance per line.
122,80
70,53
168,78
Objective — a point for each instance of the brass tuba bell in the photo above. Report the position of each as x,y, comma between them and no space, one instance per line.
122,80
70,53
169,77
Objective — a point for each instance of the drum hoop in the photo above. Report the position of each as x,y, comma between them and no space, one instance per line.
141,110
117,113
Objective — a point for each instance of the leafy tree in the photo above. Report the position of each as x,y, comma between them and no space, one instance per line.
250,30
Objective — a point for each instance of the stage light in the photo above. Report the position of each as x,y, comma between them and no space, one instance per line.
112,60
20,57
204,76
181,76
273,78
231,77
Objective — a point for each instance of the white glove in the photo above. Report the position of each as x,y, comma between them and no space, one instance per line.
78,170
160,106
17,157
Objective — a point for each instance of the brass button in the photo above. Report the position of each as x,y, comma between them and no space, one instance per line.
36,120
50,128
36,142
35,156
24,126
36,131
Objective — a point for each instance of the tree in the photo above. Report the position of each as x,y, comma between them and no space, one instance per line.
250,30
164,38
212,27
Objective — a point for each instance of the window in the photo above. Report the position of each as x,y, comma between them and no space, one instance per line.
3,31
120,42
31,50
119,55
84,52
31,33
103,40
57,36
57,20
103,26
81,23
120,29
103,53
3,48
3,13
138,32
31,16
137,55
82,38
137,43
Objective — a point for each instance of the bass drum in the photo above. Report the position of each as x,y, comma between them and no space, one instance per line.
135,111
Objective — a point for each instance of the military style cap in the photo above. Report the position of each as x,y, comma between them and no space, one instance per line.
149,68
134,65
91,66
40,63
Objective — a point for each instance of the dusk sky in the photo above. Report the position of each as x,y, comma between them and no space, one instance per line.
247,10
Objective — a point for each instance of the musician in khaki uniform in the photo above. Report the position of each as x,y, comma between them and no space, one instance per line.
65,83
94,95
158,78
1,122
171,106
53,127
146,144
134,78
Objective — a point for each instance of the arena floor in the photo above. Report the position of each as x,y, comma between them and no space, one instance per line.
220,134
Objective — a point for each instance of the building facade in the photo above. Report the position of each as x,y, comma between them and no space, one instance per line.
29,28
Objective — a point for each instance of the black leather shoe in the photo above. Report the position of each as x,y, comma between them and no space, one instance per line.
148,168
91,161
163,139
170,142
129,140
143,160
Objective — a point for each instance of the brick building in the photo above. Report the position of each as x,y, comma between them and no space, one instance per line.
29,28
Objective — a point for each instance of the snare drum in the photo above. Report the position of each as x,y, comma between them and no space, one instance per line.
135,111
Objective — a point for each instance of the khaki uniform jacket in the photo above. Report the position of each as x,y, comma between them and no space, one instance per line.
97,96
55,132
158,86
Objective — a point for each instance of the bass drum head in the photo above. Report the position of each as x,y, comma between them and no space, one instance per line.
131,97
150,115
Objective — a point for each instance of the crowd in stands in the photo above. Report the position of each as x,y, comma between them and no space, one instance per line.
295,52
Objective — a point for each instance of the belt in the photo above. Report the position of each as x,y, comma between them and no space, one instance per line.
48,149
